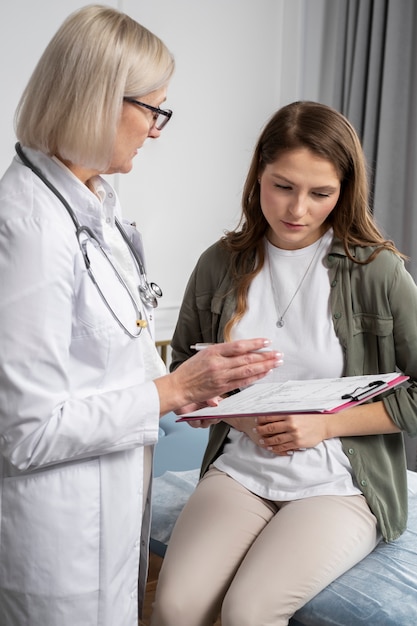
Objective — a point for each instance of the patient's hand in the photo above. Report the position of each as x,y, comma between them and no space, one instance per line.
285,434
245,425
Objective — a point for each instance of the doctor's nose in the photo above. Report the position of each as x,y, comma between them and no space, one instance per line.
154,133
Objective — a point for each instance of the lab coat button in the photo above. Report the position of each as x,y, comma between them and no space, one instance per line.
337,316
333,283
363,483
351,451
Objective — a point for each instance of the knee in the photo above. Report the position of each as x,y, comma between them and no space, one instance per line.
169,607
238,611
168,613
181,610
243,610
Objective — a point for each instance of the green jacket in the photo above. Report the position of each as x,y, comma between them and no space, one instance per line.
374,310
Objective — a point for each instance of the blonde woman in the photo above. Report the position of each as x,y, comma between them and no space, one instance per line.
81,384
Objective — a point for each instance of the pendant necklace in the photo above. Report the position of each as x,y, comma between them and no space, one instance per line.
280,322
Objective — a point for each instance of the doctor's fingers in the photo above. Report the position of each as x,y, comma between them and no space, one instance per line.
237,347
209,374
242,370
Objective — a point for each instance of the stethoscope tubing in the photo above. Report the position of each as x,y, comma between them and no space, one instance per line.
148,293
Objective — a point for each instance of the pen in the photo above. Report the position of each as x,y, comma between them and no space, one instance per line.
203,346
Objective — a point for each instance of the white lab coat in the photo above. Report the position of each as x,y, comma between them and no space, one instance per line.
75,412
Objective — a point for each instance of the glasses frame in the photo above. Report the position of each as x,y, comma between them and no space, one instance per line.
166,113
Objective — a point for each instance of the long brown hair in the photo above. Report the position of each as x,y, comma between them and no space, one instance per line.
328,134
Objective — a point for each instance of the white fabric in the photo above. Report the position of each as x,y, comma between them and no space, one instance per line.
307,339
311,350
154,365
75,412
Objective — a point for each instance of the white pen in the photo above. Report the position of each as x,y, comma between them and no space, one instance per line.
203,346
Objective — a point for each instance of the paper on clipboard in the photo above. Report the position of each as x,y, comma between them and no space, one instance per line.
324,395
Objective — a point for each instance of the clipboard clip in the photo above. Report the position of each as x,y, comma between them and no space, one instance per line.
361,392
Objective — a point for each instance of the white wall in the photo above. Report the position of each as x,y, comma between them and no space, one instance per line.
237,62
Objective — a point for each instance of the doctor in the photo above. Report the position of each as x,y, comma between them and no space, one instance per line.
81,384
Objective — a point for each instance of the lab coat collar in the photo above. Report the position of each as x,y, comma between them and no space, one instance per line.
86,205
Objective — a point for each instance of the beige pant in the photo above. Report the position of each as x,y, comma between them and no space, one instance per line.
257,561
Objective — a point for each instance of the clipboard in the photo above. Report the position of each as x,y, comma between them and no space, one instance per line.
323,395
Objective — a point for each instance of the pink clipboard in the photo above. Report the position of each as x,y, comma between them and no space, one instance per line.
266,399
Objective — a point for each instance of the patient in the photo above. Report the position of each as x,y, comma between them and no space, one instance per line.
288,503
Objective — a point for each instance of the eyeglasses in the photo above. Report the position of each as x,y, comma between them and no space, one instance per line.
161,117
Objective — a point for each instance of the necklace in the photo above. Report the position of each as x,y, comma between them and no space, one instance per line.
280,322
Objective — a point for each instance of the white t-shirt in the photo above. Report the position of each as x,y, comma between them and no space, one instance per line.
311,350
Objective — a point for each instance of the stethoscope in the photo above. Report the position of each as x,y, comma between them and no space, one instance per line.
149,292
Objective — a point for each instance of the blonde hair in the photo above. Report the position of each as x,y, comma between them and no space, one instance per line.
73,101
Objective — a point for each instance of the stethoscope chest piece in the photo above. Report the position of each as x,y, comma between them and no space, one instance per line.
150,293
92,250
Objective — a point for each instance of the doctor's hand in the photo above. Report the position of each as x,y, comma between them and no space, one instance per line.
286,434
212,372
200,405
